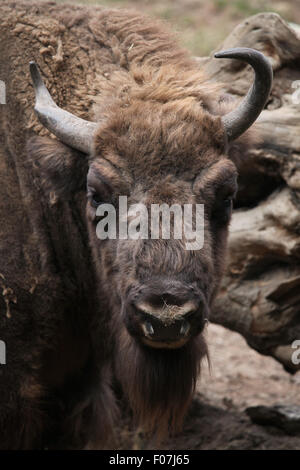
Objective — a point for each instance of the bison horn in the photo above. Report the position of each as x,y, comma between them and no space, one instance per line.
71,130
240,119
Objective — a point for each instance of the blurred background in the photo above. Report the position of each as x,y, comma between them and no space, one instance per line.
203,24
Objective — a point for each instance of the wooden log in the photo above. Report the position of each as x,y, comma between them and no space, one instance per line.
260,293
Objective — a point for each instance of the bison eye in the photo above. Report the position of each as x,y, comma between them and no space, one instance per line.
222,211
227,206
96,199
227,203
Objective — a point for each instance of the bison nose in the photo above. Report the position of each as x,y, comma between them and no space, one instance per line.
165,321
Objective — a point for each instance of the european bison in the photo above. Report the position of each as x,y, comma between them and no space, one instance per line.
85,319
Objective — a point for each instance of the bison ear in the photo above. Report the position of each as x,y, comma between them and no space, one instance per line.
253,183
59,171
239,150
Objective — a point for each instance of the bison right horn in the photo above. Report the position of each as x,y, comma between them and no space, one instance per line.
71,130
240,119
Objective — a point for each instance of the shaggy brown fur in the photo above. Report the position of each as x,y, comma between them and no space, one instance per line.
160,139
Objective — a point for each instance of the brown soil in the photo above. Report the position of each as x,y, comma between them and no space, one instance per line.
239,378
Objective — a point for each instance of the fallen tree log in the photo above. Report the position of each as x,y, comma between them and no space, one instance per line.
260,293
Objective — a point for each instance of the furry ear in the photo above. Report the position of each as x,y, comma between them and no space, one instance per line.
256,180
253,181
59,170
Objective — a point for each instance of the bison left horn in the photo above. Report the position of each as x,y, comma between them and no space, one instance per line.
240,119
71,130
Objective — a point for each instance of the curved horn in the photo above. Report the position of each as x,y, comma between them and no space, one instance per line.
240,119
71,130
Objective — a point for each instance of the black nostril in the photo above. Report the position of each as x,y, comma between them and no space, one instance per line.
158,331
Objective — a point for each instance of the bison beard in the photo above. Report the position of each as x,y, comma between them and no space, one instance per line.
159,383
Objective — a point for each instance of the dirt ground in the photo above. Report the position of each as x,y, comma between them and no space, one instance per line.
239,378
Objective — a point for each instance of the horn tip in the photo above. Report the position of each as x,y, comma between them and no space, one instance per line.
32,65
34,72
229,53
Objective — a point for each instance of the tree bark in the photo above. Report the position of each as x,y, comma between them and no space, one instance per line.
260,293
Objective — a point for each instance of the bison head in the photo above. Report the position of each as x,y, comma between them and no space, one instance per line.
159,143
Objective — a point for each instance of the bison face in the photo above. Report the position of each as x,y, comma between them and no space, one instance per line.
149,156
159,292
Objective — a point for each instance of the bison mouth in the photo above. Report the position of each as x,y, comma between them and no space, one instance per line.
164,344
167,328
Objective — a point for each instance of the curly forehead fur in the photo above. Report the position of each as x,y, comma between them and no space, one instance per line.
164,113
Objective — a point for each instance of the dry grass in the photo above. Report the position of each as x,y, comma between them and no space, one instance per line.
202,24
